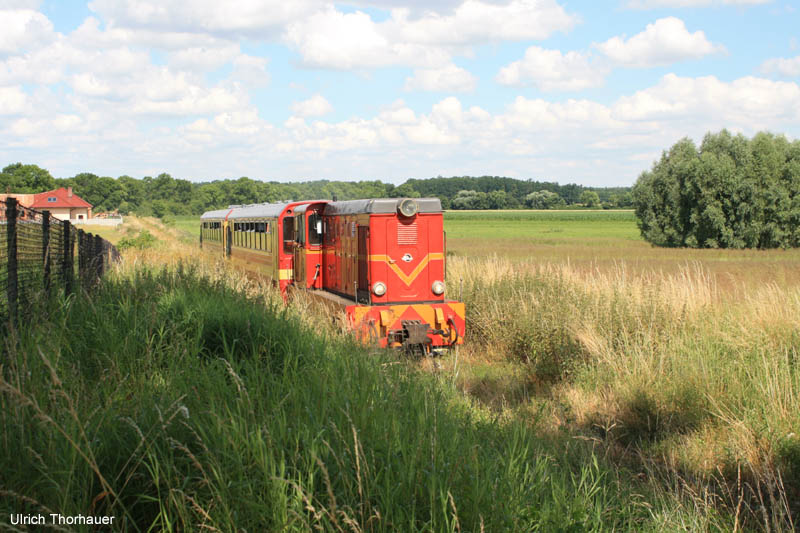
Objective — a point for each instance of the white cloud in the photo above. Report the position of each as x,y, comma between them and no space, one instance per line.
250,70
550,70
315,106
749,103
90,35
19,4
534,137
86,83
165,60
203,59
333,39
654,4
24,29
788,67
663,42
109,71
449,78
476,22
530,137
13,101
261,19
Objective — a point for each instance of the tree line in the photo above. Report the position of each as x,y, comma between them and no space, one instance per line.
164,195
730,192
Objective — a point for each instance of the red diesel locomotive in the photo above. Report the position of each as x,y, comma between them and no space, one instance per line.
381,261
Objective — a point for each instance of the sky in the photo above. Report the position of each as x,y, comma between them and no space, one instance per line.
552,90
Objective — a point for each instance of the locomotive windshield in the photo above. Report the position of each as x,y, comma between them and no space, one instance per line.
300,230
288,233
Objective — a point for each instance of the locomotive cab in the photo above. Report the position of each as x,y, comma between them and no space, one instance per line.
307,228
387,257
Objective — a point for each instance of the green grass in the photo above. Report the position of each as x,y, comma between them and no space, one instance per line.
112,234
173,403
605,241
189,226
547,228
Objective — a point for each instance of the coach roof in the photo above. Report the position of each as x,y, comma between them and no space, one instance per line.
219,213
247,211
380,206
258,210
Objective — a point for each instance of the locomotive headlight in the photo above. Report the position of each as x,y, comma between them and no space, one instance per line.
437,288
408,207
379,288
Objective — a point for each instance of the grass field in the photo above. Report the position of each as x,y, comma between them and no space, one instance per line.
606,240
679,362
183,395
685,361
604,385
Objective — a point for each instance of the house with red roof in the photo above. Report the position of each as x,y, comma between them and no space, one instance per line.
62,203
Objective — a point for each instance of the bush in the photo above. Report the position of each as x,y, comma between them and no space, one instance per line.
733,192
144,240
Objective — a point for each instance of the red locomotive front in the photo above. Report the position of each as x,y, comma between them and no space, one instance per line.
388,256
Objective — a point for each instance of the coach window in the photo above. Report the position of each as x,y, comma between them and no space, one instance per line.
314,229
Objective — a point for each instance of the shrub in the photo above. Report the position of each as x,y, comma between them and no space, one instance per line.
144,240
732,192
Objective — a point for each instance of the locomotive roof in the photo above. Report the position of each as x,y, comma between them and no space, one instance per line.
380,206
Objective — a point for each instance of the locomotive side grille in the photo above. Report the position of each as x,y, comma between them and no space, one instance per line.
407,234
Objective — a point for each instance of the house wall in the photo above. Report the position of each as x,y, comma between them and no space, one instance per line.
61,213
25,200
76,212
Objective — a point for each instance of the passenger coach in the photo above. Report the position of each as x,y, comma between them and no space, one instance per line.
381,261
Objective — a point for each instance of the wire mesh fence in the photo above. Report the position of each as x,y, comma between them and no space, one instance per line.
40,254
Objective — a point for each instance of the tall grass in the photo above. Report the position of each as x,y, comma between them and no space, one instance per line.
664,370
184,398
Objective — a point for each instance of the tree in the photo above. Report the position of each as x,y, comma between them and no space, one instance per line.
544,200
732,192
497,200
590,198
470,200
21,178
405,190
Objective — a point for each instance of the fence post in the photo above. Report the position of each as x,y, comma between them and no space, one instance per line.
11,228
46,250
81,256
67,265
98,255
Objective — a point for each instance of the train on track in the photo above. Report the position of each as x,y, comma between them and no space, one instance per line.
380,261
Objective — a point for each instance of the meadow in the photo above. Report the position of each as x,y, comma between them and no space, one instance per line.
183,395
605,385
605,240
680,361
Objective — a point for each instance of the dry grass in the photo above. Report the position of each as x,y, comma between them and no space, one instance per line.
681,363
699,380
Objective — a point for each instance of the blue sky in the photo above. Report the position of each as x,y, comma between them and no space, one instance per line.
574,92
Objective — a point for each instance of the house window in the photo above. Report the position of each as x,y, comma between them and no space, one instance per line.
52,199
80,217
